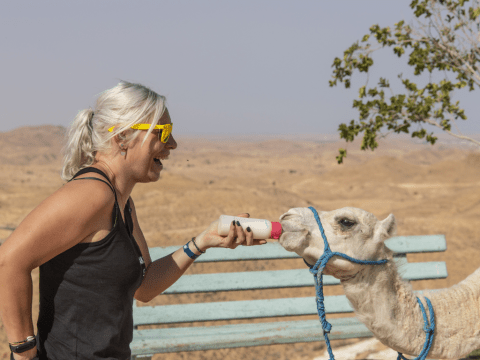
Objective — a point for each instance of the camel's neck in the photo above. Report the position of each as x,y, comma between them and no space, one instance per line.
388,307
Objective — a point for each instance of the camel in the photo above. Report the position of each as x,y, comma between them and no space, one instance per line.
380,298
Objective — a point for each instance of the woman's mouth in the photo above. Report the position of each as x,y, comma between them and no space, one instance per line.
158,160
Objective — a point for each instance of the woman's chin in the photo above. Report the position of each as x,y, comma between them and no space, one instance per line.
157,165
156,170
155,177
151,176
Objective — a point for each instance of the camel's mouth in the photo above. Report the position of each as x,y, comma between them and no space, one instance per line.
293,240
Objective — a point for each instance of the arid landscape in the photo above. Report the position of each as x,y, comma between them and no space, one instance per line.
429,189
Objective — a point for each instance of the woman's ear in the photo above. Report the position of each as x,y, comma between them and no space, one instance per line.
120,138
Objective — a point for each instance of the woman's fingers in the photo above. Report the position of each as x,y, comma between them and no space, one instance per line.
240,234
230,239
249,236
236,235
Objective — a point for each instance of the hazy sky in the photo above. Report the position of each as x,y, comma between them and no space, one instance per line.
233,67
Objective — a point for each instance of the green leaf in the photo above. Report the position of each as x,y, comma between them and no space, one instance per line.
383,83
373,92
342,154
398,50
362,92
473,14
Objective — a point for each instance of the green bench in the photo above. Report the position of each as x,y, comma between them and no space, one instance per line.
147,342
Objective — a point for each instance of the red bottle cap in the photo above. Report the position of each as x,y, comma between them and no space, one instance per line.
276,230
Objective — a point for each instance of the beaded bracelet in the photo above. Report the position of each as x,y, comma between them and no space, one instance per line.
194,243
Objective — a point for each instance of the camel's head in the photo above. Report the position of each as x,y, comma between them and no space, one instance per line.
352,231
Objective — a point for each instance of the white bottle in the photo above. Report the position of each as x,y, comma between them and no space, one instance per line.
261,228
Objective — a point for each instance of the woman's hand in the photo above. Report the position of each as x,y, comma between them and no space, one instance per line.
236,236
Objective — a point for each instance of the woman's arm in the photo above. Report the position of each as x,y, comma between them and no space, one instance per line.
164,272
57,224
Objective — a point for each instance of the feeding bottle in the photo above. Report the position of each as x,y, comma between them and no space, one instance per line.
261,228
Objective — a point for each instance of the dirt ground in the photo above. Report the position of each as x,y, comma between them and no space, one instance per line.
430,190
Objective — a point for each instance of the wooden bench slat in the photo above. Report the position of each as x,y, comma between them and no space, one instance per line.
273,250
285,278
249,309
417,243
239,335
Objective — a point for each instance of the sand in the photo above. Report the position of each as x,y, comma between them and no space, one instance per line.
429,189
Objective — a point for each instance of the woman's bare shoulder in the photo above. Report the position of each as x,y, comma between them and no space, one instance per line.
80,197
82,186
58,223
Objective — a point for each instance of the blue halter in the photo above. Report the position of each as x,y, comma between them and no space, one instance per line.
326,326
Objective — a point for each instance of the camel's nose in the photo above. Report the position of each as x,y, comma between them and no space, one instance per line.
291,221
289,215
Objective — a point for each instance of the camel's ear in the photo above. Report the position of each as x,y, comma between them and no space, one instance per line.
387,228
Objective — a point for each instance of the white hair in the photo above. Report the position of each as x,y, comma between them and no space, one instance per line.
123,106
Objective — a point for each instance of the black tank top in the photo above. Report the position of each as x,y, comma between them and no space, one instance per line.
86,294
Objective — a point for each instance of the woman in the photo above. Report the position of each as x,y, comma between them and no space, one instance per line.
94,261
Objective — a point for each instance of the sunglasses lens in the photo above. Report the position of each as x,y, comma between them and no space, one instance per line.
166,134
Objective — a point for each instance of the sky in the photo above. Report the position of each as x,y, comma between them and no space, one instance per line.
226,67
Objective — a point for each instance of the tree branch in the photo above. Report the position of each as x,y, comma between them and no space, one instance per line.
463,137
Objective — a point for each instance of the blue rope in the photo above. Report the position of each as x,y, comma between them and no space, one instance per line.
428,329
317,270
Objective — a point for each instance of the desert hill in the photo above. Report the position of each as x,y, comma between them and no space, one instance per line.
31,145
429,189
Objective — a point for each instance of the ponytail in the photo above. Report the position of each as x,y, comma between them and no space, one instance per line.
79,151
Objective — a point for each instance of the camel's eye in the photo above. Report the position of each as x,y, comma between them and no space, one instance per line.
346,222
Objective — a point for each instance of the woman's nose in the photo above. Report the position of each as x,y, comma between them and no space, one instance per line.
171,143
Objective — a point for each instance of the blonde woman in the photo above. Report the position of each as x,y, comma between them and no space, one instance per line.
86,239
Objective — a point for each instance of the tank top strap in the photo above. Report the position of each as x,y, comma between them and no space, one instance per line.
100,172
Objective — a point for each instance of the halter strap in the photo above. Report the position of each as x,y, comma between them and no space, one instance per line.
328,254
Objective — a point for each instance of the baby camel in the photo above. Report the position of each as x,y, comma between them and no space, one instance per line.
381,299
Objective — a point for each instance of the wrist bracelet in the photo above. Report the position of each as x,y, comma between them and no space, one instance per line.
194,243
29,338
189,252
22,346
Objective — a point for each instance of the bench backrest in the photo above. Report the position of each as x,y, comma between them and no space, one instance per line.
254,280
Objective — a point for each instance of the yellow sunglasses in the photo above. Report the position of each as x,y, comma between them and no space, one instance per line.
165,133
